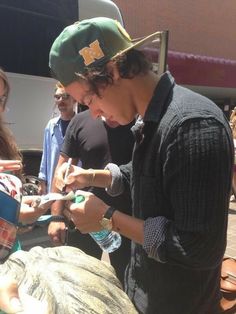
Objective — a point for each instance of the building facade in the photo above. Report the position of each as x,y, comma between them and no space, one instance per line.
199,27
202,44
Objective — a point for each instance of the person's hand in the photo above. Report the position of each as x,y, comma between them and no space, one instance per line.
78,178
42,187
87,214
57,232
29,211
9,297
10,165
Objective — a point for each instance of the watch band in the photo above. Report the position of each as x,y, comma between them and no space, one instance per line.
106,221
108,214
58,218
43,220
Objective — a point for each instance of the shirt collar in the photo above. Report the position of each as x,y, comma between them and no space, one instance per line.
161,92
56,120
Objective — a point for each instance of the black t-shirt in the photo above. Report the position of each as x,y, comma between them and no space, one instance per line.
64,125
95,143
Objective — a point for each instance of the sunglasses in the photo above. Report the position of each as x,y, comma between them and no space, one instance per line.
3,100
64,96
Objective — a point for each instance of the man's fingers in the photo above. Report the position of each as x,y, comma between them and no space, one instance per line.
70,178
10,165
30,199
56,240
67,213
36,202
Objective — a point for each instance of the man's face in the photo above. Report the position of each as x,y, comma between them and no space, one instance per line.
114,102
64,101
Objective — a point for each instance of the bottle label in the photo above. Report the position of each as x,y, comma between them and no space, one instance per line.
100,235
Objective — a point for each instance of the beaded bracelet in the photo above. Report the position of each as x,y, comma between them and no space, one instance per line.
93,177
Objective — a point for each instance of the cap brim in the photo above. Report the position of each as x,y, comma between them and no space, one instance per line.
155,37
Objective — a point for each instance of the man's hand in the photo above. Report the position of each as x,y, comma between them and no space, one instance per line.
57,233
86,215
29,211
78,177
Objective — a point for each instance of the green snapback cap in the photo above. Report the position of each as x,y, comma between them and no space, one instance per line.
89,43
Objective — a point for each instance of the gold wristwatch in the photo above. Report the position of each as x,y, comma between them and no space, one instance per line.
106,221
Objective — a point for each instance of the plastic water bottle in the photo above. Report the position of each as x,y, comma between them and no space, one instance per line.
109,241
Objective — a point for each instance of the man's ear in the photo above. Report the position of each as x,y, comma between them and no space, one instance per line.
113,70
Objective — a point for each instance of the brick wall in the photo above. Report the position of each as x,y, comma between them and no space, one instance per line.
205,27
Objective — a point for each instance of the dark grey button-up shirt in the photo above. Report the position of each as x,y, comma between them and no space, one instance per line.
180,180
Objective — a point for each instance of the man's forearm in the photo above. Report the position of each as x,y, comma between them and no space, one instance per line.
130,227
57,208
99,178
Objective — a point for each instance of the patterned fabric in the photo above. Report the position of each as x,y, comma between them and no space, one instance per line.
154,235
10,199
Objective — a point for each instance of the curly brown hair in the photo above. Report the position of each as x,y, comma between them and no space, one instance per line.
232,121
131,64
6,85
8,147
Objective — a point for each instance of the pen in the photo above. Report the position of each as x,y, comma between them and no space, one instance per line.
69,162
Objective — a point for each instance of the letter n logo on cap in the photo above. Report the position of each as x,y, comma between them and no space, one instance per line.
91,53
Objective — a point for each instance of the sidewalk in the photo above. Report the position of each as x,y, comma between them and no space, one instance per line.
231,234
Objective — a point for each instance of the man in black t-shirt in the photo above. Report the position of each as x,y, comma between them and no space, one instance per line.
86,137
95,143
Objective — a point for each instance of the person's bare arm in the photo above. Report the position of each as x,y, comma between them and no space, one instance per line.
80,178
10,165
93,177
57,207
130,227
57,230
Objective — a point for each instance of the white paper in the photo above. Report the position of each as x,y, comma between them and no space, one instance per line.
55,197
32,305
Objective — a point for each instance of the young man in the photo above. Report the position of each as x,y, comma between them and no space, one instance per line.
179,178
53,137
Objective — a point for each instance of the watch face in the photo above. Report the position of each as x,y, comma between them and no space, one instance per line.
106,223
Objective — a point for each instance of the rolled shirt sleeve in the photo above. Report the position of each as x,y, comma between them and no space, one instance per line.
154,235
117,187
